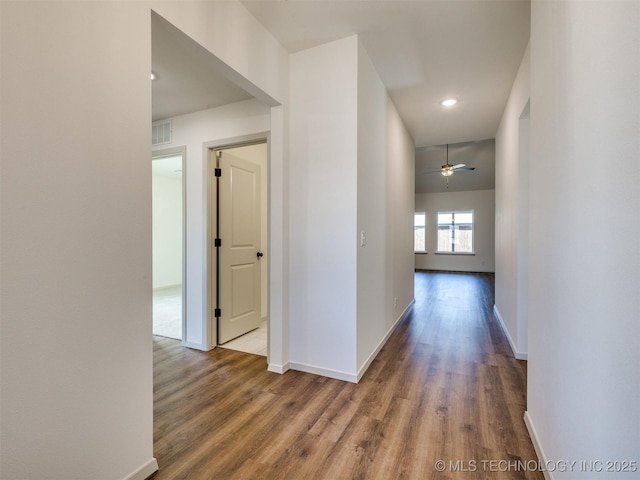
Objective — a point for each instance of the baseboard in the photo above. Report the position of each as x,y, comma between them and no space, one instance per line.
375,352
440,270
514,350
324,372
195,346
167,287
345,376
542,458
272,367
145,471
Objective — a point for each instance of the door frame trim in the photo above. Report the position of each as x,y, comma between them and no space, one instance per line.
210,209
170,152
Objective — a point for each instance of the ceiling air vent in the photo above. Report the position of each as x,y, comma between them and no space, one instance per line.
161,132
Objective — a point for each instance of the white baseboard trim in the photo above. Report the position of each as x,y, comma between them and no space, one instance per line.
514,350
145,471
453,270
542,458
272,367
167,287
324,372
345,376
363,369
196,346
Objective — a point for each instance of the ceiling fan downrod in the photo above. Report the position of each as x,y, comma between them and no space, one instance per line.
447,169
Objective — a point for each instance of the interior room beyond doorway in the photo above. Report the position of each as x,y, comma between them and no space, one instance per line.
168,241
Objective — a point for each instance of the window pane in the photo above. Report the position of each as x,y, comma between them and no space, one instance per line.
464,240
444,239
464,217
419,242
445,218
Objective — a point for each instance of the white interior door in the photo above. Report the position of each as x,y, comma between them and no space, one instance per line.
239,223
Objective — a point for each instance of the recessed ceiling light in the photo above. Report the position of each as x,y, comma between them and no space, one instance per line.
153,76
448,102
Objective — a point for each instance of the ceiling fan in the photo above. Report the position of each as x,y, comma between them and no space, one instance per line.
447,169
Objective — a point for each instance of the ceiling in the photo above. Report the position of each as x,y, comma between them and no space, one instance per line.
424,51
185,81
478,154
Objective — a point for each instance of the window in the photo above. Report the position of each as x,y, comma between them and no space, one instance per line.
419,221
455,232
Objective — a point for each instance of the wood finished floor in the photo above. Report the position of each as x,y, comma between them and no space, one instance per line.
444,387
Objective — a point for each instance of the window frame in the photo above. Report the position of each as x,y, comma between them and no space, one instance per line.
453,230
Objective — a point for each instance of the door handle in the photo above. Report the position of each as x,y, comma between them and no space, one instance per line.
259,255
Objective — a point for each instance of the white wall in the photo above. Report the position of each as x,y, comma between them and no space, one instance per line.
482,202
400,204
352,172
323,189
195,131
167,230
76,371
385,214
512,213
520,345
584,302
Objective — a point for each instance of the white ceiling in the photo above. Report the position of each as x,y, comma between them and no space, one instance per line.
185,81
424,50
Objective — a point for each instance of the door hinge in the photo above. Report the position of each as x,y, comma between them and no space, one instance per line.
218,172
217,242
217,313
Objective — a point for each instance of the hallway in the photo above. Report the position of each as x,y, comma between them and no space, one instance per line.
444,387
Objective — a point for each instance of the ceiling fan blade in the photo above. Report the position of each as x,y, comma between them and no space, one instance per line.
460,165
431,171
465,169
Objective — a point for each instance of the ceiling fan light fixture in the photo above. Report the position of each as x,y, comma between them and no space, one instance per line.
447,170
449,102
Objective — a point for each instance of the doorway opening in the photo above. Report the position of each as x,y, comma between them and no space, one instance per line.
239,236
168,243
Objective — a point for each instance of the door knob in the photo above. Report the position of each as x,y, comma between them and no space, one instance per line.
259,254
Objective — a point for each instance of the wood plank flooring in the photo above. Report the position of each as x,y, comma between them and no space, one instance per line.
445,387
